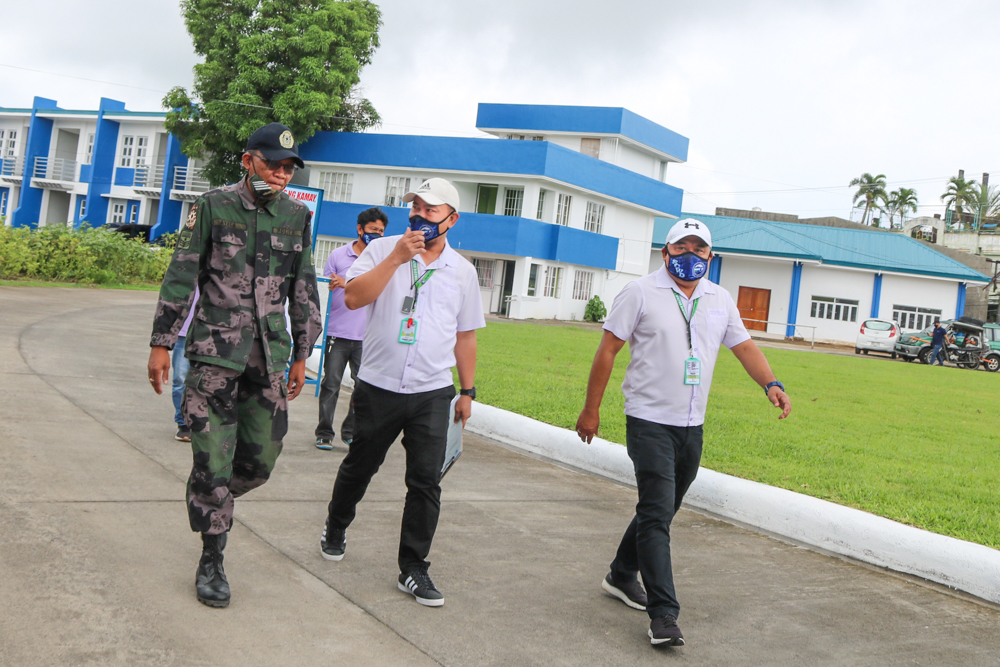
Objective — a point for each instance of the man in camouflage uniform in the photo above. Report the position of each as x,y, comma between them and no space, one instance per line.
247,246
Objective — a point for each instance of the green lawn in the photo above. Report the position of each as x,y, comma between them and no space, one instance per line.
142,287
912,443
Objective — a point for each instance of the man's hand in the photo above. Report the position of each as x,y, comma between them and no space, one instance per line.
780,399
158,367
336,281
296,378
409,245
463,409
587,424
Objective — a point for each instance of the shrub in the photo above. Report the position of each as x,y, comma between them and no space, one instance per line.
96,256
595,312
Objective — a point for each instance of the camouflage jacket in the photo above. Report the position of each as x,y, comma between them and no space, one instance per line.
241,297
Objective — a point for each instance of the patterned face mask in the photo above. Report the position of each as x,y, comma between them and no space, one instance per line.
430,230
686,266
262,189
368,237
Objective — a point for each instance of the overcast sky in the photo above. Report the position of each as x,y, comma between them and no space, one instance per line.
784,101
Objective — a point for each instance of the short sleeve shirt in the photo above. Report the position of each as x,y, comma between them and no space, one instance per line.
448,302
343,322
646,314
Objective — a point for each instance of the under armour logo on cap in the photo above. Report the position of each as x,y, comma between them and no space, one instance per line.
692,224
689,227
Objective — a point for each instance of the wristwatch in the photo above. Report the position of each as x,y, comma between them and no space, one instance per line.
471,393
776,383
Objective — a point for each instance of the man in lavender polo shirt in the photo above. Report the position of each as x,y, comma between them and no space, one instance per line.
675,322
181,366
344,330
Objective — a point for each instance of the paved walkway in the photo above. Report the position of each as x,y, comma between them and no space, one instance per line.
98,561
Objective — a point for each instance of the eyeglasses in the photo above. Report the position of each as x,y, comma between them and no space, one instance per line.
276,165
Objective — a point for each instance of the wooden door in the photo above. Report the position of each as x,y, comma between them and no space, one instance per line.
754,304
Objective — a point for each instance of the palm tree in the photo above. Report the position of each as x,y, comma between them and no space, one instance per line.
871,189
959,193
984,202
900,201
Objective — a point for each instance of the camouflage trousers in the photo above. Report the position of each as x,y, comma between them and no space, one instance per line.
237,420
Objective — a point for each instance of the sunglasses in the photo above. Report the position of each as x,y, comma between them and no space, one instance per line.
276,165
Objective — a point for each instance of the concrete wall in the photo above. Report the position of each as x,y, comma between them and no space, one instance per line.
761,274
919,292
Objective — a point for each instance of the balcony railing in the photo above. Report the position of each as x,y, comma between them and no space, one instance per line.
54,169
189,179
11,166
148,177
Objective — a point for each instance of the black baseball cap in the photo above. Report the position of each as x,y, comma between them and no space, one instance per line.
275,142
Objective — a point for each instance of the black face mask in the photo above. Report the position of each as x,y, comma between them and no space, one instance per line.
368,237
262,188
430,230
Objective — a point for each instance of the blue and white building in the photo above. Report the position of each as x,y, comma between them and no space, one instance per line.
559,205
796,279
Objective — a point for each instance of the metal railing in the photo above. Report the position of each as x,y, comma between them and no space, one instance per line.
190,179
148,176
784,324
54,169
12,166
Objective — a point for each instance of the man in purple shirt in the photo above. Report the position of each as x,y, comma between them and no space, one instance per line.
181,367
344,330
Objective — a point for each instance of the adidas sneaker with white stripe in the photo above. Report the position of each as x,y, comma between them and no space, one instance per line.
418,584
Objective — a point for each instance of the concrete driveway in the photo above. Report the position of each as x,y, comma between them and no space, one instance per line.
98,561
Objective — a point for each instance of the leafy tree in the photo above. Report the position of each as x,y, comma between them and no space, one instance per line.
984,203
900,201
871,189
959,193
289,61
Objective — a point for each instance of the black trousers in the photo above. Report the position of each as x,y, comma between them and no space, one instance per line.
666,460
380,415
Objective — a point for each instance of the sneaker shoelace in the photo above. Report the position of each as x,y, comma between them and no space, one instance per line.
422,579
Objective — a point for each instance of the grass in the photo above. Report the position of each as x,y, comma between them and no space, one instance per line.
908,442
147,287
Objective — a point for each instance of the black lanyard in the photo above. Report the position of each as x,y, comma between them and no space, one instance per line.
687,318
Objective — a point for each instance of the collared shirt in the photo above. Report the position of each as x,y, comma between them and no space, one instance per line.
448,302
343,322
646,315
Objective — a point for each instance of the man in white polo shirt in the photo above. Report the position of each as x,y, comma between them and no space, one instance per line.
674,322
423,311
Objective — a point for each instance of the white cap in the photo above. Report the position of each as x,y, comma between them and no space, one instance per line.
435,191
689,227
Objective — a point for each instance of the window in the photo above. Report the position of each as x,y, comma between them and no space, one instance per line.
525,137
133,214
594,222
541,204
914,318
336,186
512,200
533,280
128,146
117,214
591,147
562,210
583,283
90,148
83,206
829,308
8,144
141,150
3,202
395,188
484,269
323,249
553,280
486,198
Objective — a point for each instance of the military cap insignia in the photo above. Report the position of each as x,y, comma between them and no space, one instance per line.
192,217
286,140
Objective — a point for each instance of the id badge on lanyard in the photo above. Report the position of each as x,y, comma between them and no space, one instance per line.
692,365
408,330
408,327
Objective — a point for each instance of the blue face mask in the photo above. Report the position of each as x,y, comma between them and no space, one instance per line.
686,266
430,230
368,237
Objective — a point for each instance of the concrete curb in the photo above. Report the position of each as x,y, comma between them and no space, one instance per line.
962,565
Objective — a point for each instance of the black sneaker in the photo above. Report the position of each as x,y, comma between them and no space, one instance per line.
333,543
324,443
663,630
630,592
183,434
418,584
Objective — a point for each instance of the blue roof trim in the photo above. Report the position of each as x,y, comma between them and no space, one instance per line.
857,248
481,232
525,158
585,120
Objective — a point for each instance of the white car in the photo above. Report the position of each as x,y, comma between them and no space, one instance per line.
877,336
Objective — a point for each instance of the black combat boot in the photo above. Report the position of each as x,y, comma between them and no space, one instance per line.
210,583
